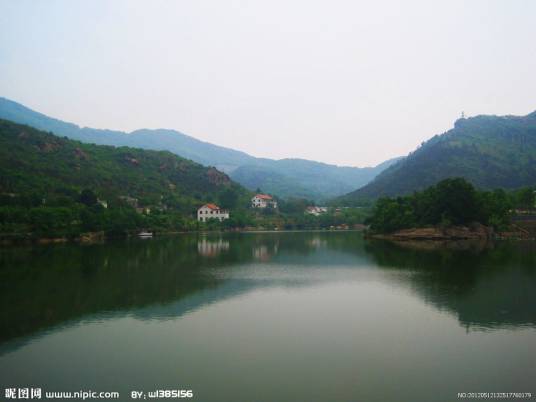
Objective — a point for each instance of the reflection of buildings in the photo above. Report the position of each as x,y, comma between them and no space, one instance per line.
491,288
263,252
317,242
212,248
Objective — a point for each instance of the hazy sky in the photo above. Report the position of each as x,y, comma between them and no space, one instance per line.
345,82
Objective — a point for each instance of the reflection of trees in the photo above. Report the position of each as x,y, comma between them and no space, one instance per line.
485,288
44,286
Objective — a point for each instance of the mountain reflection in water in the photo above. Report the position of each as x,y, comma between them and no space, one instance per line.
48,286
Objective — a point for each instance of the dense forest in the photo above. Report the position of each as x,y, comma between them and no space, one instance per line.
56,187
298,178
286,178
451,202
52,186
488,151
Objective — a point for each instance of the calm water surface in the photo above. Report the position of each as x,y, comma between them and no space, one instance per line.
270,317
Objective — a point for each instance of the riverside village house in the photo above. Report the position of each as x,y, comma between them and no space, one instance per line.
211,211
263,201
316,211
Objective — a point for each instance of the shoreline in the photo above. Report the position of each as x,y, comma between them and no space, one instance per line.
474,232
100,237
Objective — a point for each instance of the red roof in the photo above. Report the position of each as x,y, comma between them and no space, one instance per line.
211,206
263,196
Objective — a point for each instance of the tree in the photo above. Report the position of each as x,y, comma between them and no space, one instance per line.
450,202
87,197
229,198
525,198
455,200
294,205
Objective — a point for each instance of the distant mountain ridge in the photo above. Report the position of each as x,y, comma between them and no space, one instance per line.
302,178
489,151
285,177
168,140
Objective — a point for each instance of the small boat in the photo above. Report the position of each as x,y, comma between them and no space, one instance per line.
143,234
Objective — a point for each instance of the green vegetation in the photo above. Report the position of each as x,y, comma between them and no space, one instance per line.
450,202
55,187
290,216
488,151
298,178
286,178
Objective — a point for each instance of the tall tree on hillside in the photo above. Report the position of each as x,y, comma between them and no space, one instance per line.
88,197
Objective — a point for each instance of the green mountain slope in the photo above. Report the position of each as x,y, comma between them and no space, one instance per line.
47,166
303,178
159,140
489,151
285,178
271,181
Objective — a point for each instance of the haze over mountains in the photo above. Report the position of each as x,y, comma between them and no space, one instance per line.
489,151
285,177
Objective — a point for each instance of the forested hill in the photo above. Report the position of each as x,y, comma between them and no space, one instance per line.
306,179
489,151
159,140
39,165
285,177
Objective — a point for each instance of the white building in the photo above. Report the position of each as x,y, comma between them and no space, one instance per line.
211,211
263,201
316,211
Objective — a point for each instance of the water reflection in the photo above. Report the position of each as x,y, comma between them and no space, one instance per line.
42,287
485,287
212,248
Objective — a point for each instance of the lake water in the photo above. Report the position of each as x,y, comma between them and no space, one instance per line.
270,317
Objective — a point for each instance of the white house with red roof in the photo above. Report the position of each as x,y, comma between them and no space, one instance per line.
263,201
316,211
211,211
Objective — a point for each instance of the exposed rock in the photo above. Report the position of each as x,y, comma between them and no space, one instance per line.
92,237
79,154
519,231
216,177
52,240
476,245
475,231
48,146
